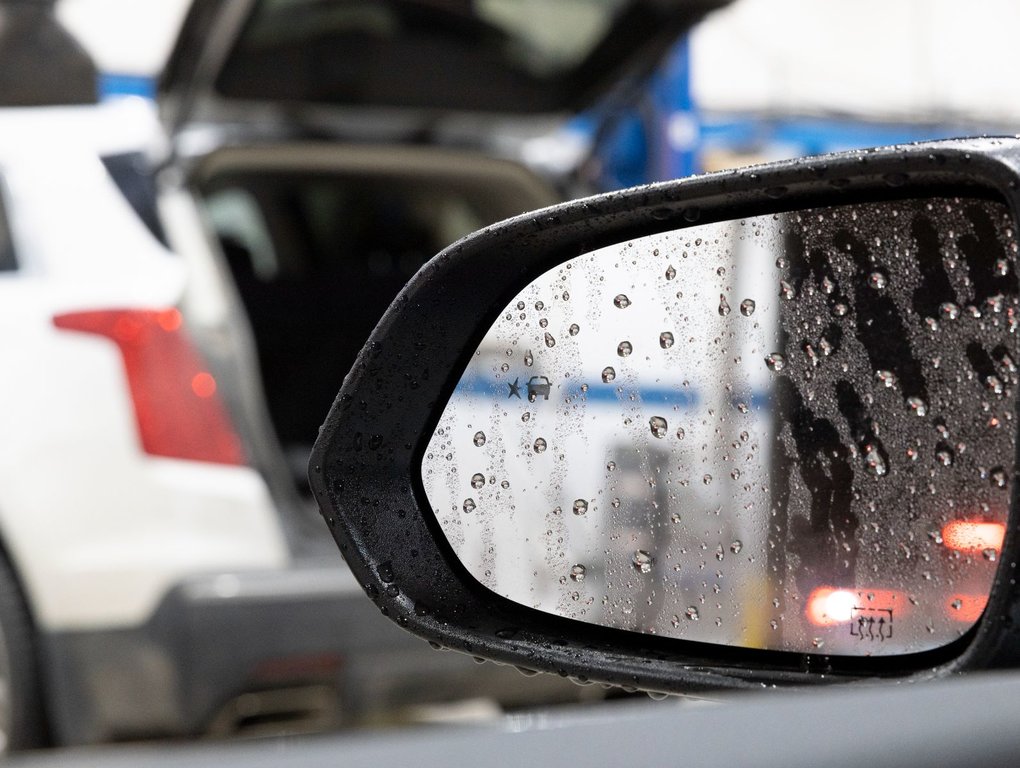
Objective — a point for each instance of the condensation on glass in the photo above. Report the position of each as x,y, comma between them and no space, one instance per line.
791,432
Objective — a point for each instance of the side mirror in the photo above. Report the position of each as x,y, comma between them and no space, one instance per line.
750,427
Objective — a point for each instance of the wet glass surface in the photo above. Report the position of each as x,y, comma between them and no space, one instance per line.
791,432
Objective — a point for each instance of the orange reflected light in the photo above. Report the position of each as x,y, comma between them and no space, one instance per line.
968,536
829,606
966,608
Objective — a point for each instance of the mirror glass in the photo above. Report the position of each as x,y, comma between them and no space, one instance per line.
791,432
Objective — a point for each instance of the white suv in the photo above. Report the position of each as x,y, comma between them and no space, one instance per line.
167,305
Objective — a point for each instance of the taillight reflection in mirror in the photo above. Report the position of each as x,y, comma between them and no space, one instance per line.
792,432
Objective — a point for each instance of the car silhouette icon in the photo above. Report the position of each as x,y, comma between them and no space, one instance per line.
538,385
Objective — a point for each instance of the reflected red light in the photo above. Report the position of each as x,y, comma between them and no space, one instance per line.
966,608
968,536
829,606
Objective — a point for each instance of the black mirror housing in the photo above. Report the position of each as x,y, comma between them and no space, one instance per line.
365,467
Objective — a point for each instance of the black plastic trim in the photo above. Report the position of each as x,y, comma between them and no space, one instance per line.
365,467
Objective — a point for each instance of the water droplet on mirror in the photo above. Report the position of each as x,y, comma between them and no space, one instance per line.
944,456
539,306
658,426
540,445
957,604
520,305
706,479
736,546
878,280
574,329
948,310
621,301
549,340
505,367
735,474
680,433
998,478
642,561
747,307
608,374
469,506
692,613
577,572
874,464
615,503
477,480
526,417
818,642
670,272
479,439
675,517
1001,267
543,323
917,405
775,361
840,310
665,339
724,307
886,378
505,484
786,291
989,554
580,507
995,385
624,349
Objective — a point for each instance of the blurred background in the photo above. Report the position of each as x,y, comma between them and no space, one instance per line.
759,79
192,255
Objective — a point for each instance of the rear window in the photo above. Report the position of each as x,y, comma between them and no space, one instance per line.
134,177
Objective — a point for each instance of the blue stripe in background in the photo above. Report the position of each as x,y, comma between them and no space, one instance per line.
498,390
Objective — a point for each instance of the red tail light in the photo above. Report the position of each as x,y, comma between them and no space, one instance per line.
178,412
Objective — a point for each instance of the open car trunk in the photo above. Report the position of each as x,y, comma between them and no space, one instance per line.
319,239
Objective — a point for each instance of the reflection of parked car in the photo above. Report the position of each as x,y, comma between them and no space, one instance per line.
165,567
